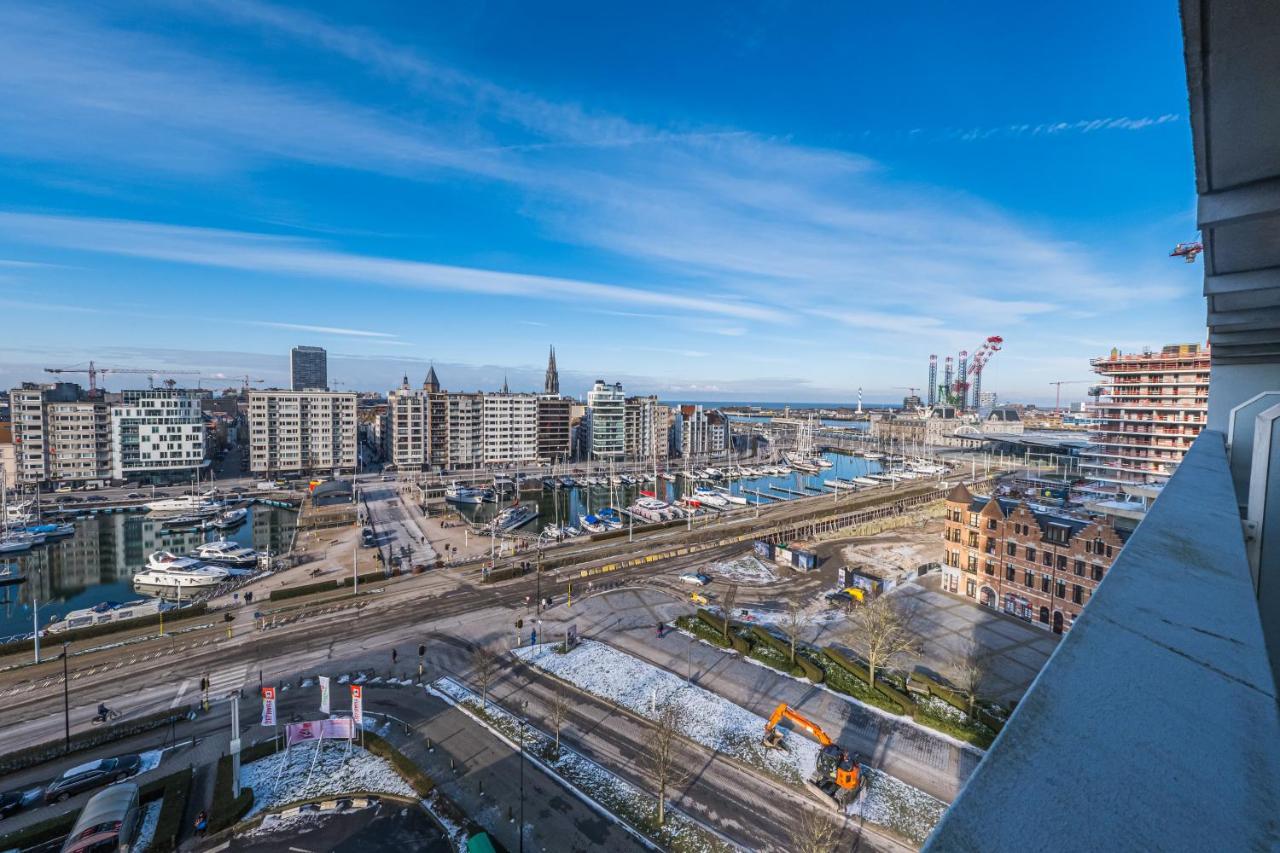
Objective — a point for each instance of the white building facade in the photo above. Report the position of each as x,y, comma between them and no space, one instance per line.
606,420
510,428
302,432
157,434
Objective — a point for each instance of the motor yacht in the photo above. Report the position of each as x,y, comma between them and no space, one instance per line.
457,494
225,553
167,571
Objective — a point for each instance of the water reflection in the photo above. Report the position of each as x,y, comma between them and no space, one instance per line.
99,561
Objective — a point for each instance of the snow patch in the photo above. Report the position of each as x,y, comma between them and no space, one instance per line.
892,803
748,570
150,760
289,776
147,829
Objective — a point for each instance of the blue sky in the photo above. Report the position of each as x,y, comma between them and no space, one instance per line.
747,200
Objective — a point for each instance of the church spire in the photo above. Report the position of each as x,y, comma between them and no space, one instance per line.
552,383
432,382
505,390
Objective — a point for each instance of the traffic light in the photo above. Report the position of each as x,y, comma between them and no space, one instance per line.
519,623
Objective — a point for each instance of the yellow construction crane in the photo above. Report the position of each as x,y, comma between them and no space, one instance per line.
94,371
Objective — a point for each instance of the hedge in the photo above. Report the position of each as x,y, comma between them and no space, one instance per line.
174,789
41,832
368,577
740,644
422,783
302,589
227,810
701,630
894,700
40,753
87,633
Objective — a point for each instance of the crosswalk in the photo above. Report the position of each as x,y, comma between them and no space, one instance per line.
222,683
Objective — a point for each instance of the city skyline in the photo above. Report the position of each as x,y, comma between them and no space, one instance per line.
402,190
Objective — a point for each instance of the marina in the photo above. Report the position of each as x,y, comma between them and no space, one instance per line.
97,562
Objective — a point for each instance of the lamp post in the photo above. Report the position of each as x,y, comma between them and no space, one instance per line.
66,701
524,704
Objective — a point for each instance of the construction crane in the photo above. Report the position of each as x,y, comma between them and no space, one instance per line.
968,374
838,775
94,371
247,380
1057,401
1187,251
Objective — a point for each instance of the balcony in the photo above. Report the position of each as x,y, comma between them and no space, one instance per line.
1160,699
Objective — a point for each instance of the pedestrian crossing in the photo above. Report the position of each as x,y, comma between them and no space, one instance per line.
223,682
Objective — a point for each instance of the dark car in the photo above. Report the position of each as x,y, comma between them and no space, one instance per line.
94,774
135,495
10,803
96,499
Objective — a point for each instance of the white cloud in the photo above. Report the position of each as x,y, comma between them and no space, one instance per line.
324,330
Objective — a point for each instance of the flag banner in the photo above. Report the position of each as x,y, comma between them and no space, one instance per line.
324,694
357,704
268,706
341,728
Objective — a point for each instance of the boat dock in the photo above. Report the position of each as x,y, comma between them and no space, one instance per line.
759,494
787,491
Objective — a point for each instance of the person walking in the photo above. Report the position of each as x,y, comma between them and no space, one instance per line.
202,823
394,656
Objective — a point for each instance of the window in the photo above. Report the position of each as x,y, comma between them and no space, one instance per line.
991,524
990,568
1008,572
1097,572
1061,589
1011,548
1079,567
1047,559
973,539
971,588
1029,579
1062,562
973,519
1031,554
973,564
1077,593
1044,583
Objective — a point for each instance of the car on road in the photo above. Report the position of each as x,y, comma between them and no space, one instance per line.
134,495
63,488
10,803
698,578
96,498
851,595
93,774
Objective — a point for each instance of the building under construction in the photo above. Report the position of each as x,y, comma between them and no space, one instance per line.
961,386
1151,406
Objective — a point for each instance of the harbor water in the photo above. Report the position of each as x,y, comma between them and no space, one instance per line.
98,563
564,506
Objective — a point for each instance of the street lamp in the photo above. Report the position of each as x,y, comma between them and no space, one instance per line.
524,704
66,700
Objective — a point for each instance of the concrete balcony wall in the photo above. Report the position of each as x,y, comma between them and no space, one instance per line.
1154,725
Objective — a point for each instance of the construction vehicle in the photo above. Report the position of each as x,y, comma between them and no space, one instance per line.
699,598
838,776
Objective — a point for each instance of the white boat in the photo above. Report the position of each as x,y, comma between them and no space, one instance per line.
668,476
715,473
513,517
106,612
227,553
167,571
230,518
456,494
709,497
185,505
19,540
866,481
591,524
731,498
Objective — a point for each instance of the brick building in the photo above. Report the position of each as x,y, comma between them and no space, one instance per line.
1038,565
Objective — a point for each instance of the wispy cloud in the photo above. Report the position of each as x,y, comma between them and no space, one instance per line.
324,330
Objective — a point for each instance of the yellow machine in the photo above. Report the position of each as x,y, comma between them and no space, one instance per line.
838,776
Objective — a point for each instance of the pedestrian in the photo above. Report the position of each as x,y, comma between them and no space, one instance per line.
248,596
394,655
202,823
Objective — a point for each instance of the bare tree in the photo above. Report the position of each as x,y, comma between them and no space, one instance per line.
730,597
484,663
970,667
559,713
882,630
814,832
660,754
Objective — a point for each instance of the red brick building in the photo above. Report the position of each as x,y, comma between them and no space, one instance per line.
1036,564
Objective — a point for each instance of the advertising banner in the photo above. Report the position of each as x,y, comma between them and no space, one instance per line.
324,694
340,728
357,704
268,706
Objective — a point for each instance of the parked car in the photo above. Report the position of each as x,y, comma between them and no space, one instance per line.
134,495
63,488
96,498
94,774
699,578
10,803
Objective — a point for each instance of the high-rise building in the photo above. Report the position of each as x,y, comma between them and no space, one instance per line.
551,384
309,369
1151,408
554,433
301,432
510,428
464,430
157,433
8,454
700,432
606,420
59,434
646,428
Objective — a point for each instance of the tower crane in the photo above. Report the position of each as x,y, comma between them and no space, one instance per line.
247,380
969,374
94,371
1057,401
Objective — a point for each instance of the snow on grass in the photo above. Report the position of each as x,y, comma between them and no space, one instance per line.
894,804
615,797
288,777
942,710
147,829
748,570
705,717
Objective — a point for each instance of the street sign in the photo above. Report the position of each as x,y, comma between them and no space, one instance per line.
268,706
357,704
324,694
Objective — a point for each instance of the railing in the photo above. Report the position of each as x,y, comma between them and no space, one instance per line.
1154,724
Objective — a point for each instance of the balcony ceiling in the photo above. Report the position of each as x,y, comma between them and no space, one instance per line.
1230,46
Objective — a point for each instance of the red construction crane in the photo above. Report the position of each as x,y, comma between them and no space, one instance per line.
1187,251
971,373
93,371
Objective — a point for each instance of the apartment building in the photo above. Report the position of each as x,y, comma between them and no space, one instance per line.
555,435
645,430
157,434
700,432
406,428
1037,564
1151,408
309,369
464,430
510,428
606,420
59,435
8,454
301,432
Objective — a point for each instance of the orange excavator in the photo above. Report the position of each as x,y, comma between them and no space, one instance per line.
838,776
